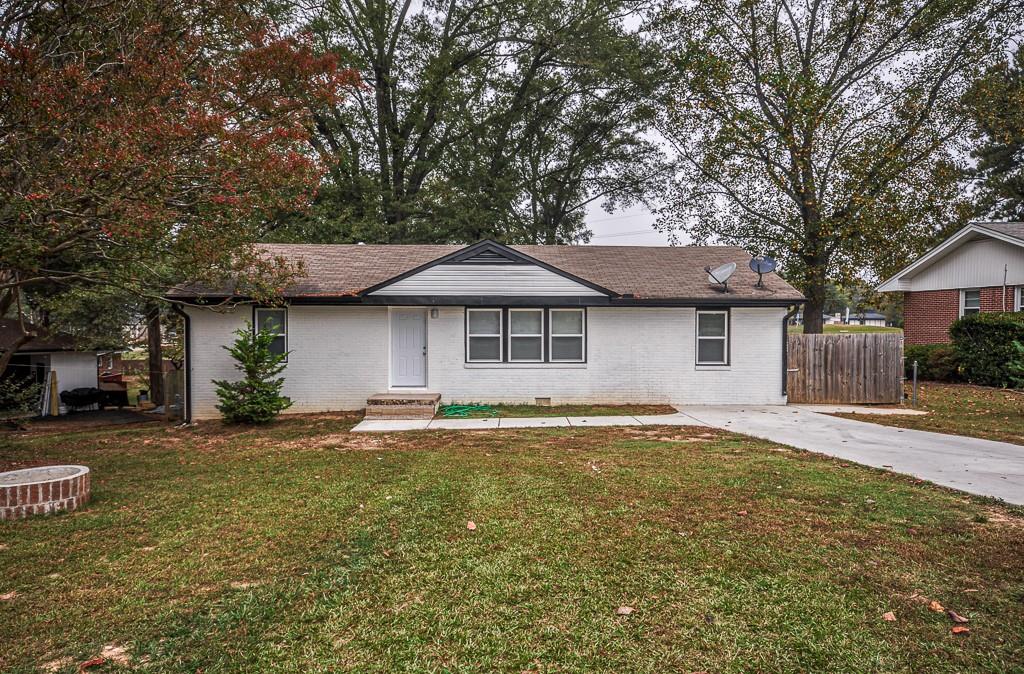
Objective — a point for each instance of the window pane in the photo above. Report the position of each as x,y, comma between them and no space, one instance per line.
525,322
971,310
972,299
710,325
485,322
484,348
710,350
525,348
277,346
567,322
566,348
270,320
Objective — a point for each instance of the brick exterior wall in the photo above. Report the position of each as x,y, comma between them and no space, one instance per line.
927,314
43,498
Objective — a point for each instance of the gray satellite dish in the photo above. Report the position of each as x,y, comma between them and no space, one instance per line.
761,265
721,274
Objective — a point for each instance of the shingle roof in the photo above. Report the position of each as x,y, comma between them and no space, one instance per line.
1014,229
646,272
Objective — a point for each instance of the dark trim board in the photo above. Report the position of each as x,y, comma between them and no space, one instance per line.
508,301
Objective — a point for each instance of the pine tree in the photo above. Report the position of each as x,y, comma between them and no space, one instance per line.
257,398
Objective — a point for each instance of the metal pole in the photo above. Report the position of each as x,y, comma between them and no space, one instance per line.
913,402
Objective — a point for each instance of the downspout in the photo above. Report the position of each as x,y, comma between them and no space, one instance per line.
1005,268
187,320
785,346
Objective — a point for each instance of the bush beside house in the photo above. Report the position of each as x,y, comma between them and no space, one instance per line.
984,346
935,362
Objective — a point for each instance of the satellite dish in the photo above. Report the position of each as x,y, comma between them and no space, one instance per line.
721,274
761,265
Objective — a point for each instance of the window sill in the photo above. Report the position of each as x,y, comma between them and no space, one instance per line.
525,366
722,366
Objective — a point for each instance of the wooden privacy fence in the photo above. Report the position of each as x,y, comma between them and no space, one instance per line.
845,368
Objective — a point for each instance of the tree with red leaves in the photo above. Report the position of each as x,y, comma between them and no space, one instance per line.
143,142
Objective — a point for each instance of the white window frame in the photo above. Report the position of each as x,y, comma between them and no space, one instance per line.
723,338
499,335
582,335
284,325
963,300
1017,304
539,335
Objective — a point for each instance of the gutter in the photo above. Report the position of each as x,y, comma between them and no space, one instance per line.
785,346
187,412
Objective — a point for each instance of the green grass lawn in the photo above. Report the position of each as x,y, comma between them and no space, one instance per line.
829,329
302,548
567,411
962,409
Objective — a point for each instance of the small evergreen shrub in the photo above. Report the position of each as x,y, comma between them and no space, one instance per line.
257,398
984,346
935,362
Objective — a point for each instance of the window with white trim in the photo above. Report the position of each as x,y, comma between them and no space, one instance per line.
526,335
567,334
970,302
712,337
274,321
483,335
1018,295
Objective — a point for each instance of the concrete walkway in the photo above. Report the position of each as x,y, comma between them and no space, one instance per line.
977,466
383,426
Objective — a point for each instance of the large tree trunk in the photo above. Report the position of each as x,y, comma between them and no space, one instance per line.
156,357
815,291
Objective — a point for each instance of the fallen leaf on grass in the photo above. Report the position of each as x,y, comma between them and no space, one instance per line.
9,595
95,662
889,616
956,617
743,513
624,610
936,606
471,525
960,629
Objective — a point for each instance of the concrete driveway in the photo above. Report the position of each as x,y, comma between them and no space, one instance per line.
981,467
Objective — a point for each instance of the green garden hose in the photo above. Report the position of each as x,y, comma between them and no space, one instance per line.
466,410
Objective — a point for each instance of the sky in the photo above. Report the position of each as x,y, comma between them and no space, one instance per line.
628,227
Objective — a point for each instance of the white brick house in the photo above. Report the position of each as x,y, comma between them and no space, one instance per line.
491,323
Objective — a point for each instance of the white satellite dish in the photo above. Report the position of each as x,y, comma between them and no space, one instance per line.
721,274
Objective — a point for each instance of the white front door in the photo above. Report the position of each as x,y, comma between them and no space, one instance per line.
408,347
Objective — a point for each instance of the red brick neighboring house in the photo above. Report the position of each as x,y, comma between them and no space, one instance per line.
980,268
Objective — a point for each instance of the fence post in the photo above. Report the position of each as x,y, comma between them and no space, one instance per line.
913,402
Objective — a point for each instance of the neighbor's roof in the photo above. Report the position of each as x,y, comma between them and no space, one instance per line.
646,272
1014,229
1011,232
10,331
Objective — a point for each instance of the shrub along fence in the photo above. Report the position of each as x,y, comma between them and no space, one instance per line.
845,368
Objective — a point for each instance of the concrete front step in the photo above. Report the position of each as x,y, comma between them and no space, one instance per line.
402,406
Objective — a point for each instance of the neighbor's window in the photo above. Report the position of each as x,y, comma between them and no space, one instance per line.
274,321
483,335
712,337
1018,296
567,334
526,335
971,302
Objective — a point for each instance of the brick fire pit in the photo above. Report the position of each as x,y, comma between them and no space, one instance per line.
42,490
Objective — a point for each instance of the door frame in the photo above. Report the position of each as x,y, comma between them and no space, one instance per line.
426,343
